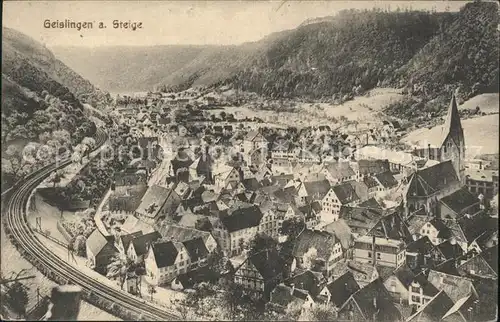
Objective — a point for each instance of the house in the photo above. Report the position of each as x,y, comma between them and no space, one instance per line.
361,219
482,182
283,296
137,248
370,167
258,156
477,266
240,224
363,273
163,262
314,190
100,251
434,309
338,291
308,281
456,287
201,167
398,282
373,186
258,273
449,250
343,233
252,141
380,251
449,145
340,195
123,241
391,226
386,181
126,198
133,224
223,175
315,248
436,230
399,161
271,220
422,254
192,278
183,234
157,202
427,186
371,303
338,172
458,204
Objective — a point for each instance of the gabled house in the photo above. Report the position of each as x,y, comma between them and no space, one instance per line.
436,230
138,246
386,181
318,250
283,296
240,224
157,202
458,204
398,283
258,273
371,303
338,172
338,291
162,262
422,254
100,251
371,167
338,196
308,281
223,175
477,266
253,140
363,273
183,234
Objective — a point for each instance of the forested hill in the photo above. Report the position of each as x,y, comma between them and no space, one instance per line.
356,51
23,55
344,55
40,106
463,56
327,58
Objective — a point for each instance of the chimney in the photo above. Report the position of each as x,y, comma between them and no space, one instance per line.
480,165
428,151
375,302
414,237
373,251
292,286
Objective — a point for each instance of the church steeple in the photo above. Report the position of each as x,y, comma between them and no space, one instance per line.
452,124
452,139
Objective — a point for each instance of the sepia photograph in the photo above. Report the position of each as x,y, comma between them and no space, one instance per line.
252,160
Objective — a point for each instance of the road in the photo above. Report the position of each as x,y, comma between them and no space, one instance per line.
16,222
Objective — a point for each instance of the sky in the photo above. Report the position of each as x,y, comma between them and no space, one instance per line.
180,22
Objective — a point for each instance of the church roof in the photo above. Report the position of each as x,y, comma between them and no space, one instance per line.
452,123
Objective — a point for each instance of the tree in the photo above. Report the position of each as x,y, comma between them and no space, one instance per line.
118,268
320,312
17,297
292,227
310,257
260,243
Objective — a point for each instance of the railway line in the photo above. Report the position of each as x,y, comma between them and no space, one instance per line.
16,222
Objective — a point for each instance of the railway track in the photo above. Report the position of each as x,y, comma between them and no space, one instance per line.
16,222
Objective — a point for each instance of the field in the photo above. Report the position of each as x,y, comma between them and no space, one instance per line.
488,103
481,135
362,108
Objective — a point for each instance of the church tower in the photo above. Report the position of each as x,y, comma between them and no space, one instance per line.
453,143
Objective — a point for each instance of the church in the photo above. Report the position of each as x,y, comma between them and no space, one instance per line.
428,186
450,145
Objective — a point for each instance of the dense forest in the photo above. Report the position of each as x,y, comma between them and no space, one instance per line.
428,53
42,111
